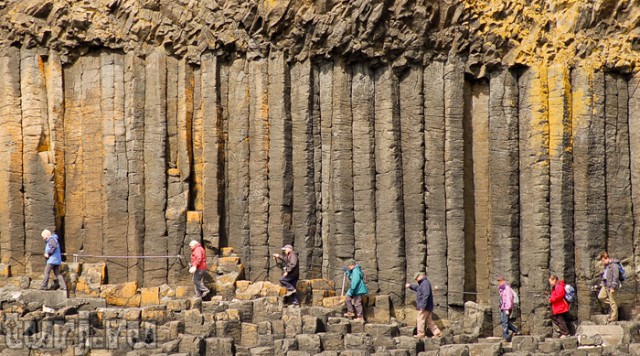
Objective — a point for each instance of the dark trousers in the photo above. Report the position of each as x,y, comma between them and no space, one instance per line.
198,282
355,301
290,283
506,325
59,278
562,321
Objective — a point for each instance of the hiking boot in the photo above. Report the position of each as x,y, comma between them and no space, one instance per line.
290,292
349,315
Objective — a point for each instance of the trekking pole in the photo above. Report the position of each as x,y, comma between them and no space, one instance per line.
344,279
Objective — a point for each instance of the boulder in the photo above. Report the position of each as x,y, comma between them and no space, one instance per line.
91,279
123,294
477,319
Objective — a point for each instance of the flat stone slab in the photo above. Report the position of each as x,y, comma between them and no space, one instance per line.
610,334
54,298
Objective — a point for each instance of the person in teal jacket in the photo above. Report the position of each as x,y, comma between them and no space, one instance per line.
357,289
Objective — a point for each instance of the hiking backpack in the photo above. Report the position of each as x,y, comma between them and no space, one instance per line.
569,293
622,275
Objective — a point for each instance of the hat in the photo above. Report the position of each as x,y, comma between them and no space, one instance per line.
350,262
45,233
193,243
287,246
418,274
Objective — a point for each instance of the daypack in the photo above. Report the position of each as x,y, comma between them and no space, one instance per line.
516,298
569,293
622,275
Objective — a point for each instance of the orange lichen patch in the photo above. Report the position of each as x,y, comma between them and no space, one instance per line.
149,296
559,108
123,295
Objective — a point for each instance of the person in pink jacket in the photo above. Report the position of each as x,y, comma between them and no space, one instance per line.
506,308
198,268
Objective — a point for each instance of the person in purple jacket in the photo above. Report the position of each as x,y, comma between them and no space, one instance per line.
506,308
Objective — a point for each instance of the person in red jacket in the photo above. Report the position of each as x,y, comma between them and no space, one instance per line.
198,268
559,306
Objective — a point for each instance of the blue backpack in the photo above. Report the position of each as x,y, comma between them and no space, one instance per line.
622,275
569,293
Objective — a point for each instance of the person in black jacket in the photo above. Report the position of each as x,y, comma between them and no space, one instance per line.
290,273
424,304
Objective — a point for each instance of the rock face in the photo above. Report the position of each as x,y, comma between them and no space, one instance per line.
468,138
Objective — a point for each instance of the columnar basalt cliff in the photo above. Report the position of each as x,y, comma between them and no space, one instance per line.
470,138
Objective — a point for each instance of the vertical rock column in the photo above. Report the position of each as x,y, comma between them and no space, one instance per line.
55,115
238,162
93,155
12,234
281,177
364,173
634,154
212,152
37,159
434,195
155,175
341,184
534,199
115,170
412,146
481,200
179,178
304,228
196,183
134,120
324,87
258,169
390,248
589,183
454,182
504,181
618,183
562,259
73,156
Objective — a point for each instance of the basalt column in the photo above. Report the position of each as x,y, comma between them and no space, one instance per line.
588,95
434,194
412,147
390,248
364,172
534,198
634,148
504,181
618,183
37,159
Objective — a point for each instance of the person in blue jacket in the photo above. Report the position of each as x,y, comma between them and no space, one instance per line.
424,304
54,260
357,289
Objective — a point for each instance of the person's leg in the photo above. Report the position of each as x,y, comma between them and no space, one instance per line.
512,327
603,296
284,281
349,302
358,304
198,283
504,321
293,282
45,280
559,320
421,319
614,305
432,325
59,277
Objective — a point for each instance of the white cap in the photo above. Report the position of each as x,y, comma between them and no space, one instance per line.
45,233
193,243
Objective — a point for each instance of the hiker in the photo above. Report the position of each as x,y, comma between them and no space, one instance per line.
424,304
290,273
610,284
357,289
507,298
54,260
559,306
198,268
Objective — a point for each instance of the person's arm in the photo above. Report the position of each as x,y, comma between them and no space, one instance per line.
412,286
557,294
52,245
615,275
291,263
507,299
355,281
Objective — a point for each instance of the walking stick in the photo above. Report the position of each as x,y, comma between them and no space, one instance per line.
344,278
